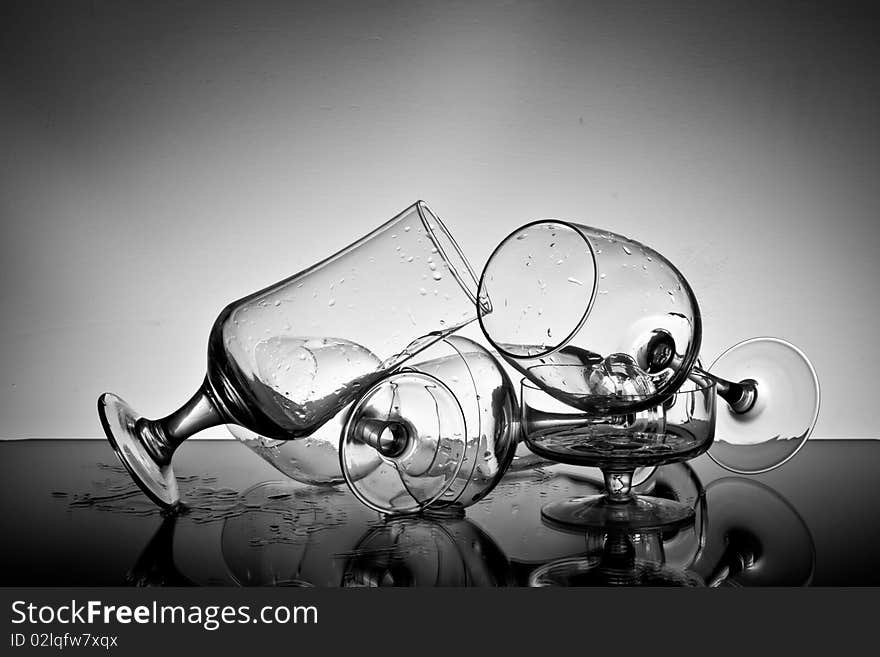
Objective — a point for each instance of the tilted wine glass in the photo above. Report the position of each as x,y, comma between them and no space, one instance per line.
389,452
608,325
285,360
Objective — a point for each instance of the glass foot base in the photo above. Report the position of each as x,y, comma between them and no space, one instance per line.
784,414
594,571
118,420
599,512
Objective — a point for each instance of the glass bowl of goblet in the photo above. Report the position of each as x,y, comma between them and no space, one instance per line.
435,436
679,428
605,323
287,359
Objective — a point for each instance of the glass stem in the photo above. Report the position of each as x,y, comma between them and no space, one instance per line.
389,437
741,396
618,485
161,437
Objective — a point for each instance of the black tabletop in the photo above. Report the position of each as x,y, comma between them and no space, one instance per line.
72,516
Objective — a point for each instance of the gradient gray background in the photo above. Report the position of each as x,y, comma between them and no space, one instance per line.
162,159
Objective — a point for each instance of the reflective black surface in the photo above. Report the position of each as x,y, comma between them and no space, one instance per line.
71,516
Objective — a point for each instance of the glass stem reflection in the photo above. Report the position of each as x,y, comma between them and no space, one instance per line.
161,437
618,485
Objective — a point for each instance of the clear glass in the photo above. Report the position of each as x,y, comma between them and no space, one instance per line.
609,326
286,360
773,414
600,321
459,393
680,428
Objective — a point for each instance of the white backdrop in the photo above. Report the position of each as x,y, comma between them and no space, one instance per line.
161,161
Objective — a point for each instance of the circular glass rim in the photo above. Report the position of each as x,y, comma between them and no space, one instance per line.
486,302
813,420
351,483
436,228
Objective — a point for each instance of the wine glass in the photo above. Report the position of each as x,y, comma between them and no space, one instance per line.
680,428
609,326
285,360
389,450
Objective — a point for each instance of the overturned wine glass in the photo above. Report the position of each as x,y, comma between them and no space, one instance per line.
607,325
437,435
287,359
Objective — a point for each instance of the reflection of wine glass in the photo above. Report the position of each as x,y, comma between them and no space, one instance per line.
745,534
679,429
389,452
155,565
753,537
284,361
623,557
419,552
607,325
620,561
291,535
